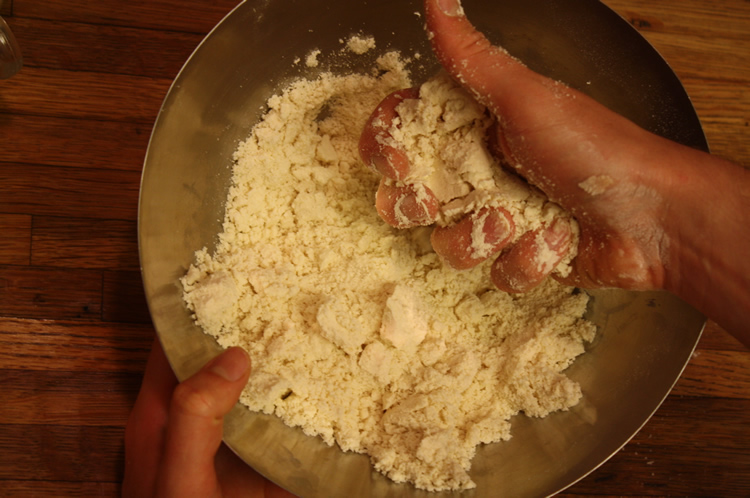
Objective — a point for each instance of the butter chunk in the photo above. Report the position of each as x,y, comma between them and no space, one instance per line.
404,322
339,326
376,359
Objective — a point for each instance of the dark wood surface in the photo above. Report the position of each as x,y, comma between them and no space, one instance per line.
74,328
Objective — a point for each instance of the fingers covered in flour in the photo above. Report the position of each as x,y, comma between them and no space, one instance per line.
377,148
495,77
474,238
405,206
532,258
399,203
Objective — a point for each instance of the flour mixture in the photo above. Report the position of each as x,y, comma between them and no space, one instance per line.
357,331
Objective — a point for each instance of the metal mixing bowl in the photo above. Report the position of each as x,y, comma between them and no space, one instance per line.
645,339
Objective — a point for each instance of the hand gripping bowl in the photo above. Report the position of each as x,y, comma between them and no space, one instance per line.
644,339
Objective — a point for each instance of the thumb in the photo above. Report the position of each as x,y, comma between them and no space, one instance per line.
533,111
195,425
488,71
553,135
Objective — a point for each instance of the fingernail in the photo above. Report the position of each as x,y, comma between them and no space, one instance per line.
498,226
451,8
417,207
231,365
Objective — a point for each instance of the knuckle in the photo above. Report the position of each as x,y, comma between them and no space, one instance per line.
191,400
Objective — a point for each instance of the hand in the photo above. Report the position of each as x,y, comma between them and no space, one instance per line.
173,442
586,158
467,206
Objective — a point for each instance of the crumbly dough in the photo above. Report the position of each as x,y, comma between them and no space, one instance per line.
312,58
358,333
360,44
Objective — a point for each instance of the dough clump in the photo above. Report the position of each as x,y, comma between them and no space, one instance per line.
360,44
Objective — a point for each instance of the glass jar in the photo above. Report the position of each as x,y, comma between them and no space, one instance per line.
10,54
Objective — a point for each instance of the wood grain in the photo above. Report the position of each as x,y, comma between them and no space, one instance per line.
729,372
710,19
67,398
700,462
165,15
122,298
120,50
88,95
50,293
55,489
716,338
75,192
74,325
61,453
72,142
16,246
723,109
84,243
73,346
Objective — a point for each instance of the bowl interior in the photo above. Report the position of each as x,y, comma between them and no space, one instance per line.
645,339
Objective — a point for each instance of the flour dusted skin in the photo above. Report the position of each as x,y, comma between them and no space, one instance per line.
444,134
358,333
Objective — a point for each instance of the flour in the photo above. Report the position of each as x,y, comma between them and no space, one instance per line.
597,185
312,58
360,44
358,333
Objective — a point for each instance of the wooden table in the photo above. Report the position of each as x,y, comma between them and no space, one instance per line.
74,328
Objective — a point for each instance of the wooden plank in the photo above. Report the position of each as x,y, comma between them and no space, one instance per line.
698,434
15,248
724,110
74,192
67,398
728,138
61,453
716,338
28,344
50,293
122,50
165,15
84,243
681,54
123,298
56,489
6,8
83,143
720,374
687,18
77,94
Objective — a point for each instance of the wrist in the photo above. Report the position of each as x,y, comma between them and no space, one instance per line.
706,223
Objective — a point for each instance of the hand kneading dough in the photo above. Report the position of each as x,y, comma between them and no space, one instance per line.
444,135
